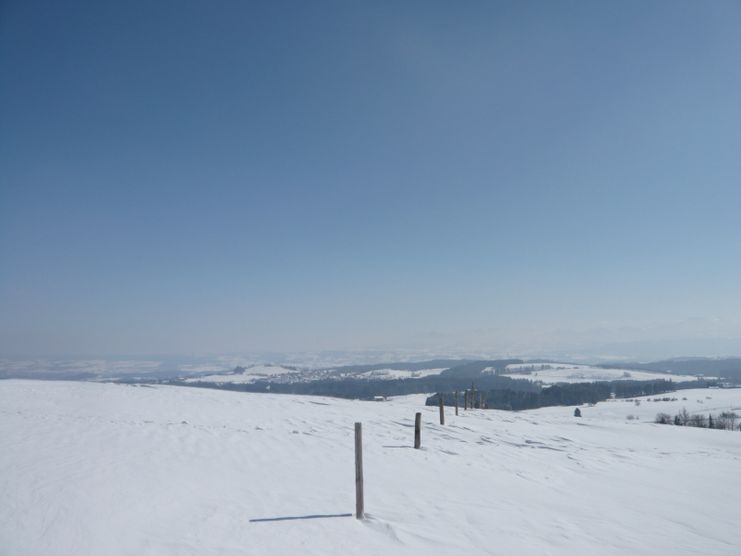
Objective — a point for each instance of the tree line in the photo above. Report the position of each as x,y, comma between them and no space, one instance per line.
563,394
724,421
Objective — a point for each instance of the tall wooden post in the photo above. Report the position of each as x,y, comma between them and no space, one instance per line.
359,502
465,400
417,430
456,403
442,410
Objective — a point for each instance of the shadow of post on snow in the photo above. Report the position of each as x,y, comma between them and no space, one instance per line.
294,517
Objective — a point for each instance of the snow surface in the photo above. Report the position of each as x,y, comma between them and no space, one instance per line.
108,469
551,373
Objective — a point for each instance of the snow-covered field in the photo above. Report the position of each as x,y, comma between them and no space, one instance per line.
250,374
255,373
393,374
551,373
108,469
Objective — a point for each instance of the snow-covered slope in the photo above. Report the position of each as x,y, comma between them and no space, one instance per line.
247,375
551,373
280,373
108,469
393,374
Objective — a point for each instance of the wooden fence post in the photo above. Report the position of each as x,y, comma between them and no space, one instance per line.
442,410
456,403
417,430
359,502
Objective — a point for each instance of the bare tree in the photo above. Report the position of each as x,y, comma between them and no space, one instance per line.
731,418
697,421
684,416
663,419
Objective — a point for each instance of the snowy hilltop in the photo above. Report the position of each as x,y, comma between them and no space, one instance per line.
113,469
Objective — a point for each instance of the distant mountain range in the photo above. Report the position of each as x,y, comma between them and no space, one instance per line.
226,371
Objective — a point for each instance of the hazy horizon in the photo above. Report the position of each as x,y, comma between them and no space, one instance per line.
505,178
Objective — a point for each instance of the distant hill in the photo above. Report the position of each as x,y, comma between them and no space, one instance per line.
474,369
723,367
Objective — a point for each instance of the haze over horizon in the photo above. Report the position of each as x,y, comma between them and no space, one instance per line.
509,177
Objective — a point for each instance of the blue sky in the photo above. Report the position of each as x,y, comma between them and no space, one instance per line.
197,177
